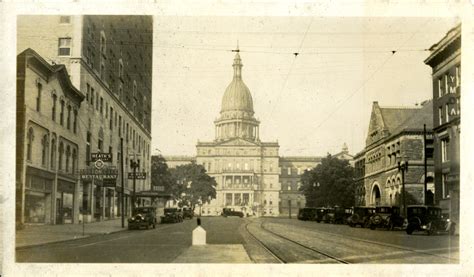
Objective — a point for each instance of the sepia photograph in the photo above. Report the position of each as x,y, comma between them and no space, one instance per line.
174,140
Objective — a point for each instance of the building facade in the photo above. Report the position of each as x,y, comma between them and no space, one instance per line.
291,169
445,61
47,142
359,175
109,59
395,135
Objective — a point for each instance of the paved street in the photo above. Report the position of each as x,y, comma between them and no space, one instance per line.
266,240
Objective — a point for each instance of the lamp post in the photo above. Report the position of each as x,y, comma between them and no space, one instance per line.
403,167
134,165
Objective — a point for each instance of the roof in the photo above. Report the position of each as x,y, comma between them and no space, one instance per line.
417,119
30,56
237,96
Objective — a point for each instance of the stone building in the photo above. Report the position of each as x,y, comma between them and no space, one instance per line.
291,169
244,167
445,60
109,59
47,142
395,135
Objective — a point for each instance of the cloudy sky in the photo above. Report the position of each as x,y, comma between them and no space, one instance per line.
311,103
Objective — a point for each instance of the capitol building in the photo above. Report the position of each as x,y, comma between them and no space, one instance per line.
250,174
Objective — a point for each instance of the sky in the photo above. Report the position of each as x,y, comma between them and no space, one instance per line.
312,102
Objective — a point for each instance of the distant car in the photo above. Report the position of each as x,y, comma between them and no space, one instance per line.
428,219
307,213
329,215
321,214
142,217
361,216
188,213
172,215
386,217
231,212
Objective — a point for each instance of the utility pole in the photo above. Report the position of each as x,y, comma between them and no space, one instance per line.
122,206
425,165
134,165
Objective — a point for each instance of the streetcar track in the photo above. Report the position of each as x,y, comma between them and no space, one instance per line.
292,241
273,254
425,252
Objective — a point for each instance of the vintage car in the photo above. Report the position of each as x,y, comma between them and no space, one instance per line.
188,213
142,217
307,213
428,219
321,214
361,216
329,215
172,215
338,215
386,217
231,212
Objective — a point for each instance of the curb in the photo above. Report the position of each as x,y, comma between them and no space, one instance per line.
70,239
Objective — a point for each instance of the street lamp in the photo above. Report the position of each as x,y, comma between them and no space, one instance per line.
403,167
134,165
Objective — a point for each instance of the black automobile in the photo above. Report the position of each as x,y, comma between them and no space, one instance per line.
188,213
231,212
361,216
386,217
338,215
428,219
329,215
142,217
321,214
307,213
172,215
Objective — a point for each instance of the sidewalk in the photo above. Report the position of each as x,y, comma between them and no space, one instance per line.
214,253
33,235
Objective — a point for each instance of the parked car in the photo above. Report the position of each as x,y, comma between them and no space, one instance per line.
428,219
338,215
172,215
361,216
188,213
386,217
307,213
328,217
142,217
231,212
321,214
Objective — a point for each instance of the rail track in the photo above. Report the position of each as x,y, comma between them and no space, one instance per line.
422,252
280,257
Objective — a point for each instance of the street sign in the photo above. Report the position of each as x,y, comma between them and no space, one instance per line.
105,157
138,175
91,173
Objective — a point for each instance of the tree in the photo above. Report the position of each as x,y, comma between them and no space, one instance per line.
329,184
192,184
161,178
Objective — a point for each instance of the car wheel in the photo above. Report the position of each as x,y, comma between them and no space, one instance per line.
409,230
452,230
390,226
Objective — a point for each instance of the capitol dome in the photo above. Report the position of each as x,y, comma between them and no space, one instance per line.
237,96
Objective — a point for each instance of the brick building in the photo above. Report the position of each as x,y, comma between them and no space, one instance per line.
359,175
445,60
395,135
47,142
109,59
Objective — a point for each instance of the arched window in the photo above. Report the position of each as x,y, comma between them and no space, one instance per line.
68,156
74,126
68,122
44,150
74,160
60,158
53,153
29,143
53,109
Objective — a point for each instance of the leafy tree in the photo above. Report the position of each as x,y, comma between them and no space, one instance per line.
329,184
192,184
160,175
